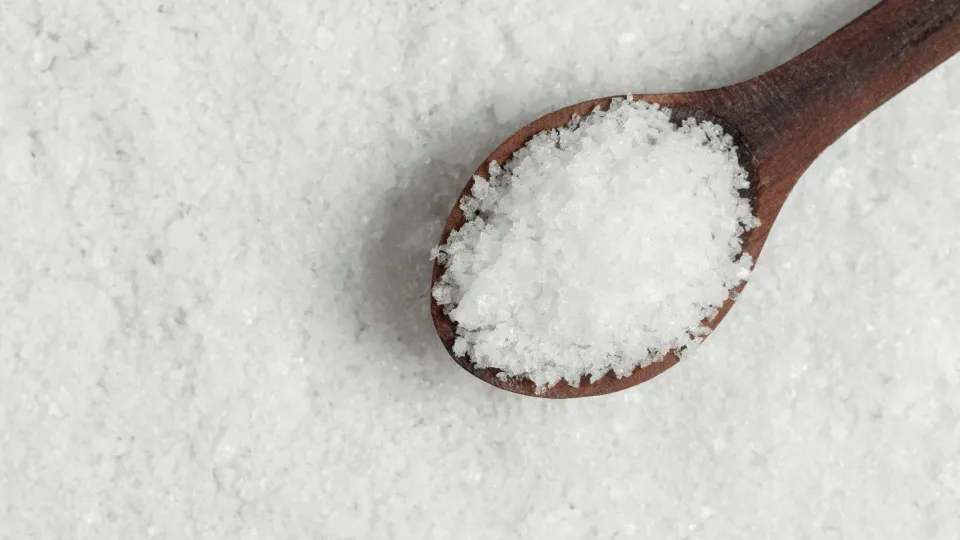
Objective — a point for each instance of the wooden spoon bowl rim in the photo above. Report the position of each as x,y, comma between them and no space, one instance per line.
683,105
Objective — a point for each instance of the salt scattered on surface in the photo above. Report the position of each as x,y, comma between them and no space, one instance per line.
599,246
275,374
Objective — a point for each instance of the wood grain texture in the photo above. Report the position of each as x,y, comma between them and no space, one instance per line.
781,121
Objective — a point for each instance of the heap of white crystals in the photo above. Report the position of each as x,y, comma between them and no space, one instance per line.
215,227
599,246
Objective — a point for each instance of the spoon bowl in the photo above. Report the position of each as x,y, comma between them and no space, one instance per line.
781,122
683,105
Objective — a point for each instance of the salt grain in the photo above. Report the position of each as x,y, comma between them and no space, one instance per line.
599,246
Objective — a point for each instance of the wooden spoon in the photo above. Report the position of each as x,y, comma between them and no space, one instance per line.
781,121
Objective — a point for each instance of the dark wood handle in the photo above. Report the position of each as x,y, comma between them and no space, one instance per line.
789,115
818,96
803,106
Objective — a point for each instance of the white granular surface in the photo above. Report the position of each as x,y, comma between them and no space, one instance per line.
215,228
599,246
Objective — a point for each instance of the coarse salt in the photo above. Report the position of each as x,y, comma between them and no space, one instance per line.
598,247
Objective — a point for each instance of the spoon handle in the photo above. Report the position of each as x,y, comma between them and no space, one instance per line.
825,91
791,114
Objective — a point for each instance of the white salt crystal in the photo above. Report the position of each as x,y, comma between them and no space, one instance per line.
599,246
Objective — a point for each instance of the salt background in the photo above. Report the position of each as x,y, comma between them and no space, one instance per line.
215,226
